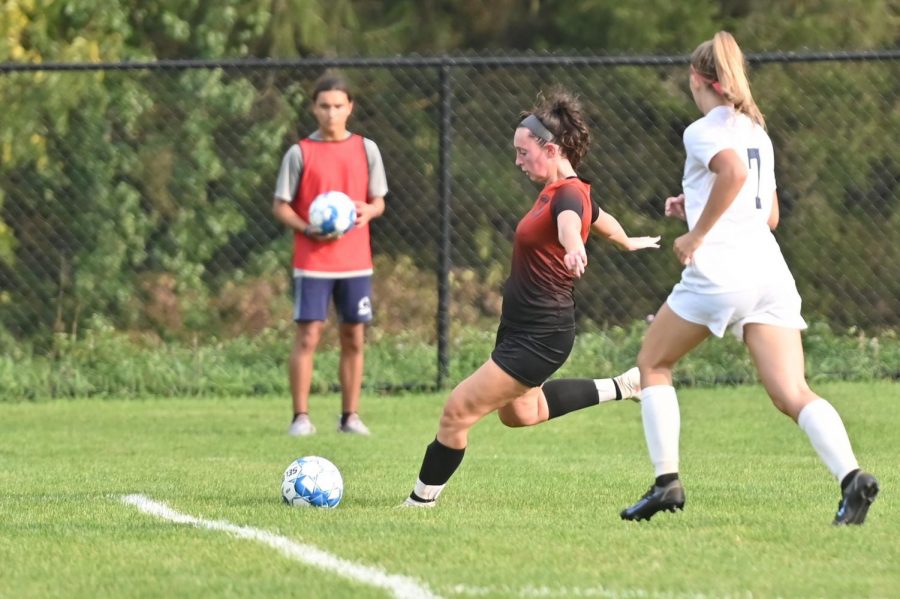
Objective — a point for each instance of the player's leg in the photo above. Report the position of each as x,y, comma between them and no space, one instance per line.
351,374
521,360
667,340
531,357
487,389
300,369
561,396
352,299
310,309
528,409
778,354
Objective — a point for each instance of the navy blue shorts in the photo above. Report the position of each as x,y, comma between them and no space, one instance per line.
352,298
531,357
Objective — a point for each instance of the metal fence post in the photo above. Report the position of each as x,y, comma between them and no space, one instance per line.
444,180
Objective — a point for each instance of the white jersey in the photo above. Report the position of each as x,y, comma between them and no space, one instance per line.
739,252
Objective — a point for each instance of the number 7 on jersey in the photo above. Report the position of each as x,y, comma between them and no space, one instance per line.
753,154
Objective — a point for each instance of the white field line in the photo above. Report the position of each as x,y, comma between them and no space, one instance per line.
599,592
402,587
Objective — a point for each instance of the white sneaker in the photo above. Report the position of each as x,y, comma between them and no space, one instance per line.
302,426
410,502
353,425
629,383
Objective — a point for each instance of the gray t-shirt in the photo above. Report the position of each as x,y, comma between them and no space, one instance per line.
292,168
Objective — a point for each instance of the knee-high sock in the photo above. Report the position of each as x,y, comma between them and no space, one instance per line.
567,395
825,429
438,466
662,427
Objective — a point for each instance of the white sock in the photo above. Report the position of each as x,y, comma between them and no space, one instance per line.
662,426
427,492
823,425
606,390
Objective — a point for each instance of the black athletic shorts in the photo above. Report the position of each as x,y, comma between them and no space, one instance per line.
531,357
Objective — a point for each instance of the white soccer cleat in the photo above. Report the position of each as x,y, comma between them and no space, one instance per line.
354,425
302,426
410,502
629,383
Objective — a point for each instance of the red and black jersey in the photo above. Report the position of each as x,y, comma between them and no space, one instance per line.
539,293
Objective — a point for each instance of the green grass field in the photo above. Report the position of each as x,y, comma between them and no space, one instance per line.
531,512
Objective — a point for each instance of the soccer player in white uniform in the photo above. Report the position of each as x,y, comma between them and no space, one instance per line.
735,278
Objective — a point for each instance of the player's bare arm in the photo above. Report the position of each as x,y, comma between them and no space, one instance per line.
775,214
675,207
569,226
366,211
286,215
608,227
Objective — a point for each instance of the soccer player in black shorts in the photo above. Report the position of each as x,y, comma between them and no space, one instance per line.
537,326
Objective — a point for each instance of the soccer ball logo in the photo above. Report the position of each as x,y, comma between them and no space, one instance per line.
332,212
312,481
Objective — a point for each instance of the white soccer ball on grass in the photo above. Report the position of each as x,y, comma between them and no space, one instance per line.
312,481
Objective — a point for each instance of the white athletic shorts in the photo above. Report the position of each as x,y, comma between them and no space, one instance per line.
778,305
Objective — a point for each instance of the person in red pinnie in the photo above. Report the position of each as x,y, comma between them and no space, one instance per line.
330,267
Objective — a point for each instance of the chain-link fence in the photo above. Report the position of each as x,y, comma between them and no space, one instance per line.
139,195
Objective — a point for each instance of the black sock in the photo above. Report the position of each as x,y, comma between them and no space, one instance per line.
848,479
439,464
344,417
567,395
618,390
663,479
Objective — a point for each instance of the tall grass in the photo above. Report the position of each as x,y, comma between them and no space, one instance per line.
103,362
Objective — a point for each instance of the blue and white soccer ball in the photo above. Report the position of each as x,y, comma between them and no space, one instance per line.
312,481
332,212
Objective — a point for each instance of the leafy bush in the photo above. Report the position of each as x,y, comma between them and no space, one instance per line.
106,363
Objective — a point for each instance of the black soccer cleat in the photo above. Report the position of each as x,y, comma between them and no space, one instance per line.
857,498
669,497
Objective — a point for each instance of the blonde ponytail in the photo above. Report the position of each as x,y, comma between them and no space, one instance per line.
721,61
